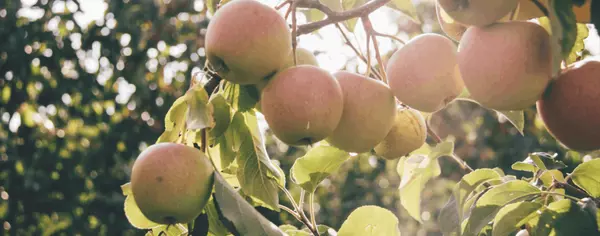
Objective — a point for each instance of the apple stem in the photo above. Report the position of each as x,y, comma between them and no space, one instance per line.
372,35
358,53
436,138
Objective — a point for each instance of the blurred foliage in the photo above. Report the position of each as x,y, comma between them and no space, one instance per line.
80,99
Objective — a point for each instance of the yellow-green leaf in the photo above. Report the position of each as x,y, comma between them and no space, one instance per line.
135,217
370,221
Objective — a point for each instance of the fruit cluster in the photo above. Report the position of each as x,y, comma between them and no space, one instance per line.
503,63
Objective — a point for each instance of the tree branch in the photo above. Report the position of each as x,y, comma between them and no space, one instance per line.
335,16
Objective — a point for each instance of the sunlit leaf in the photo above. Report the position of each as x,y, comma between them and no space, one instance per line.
459,196
135,217
176,114
370,221
417,171
488,205
170,230
237,211
258,176
316,165
348,5
516,118
510,217
241,97
126,188
200,111
324,230
221,116
564,218
405,6
579,46
587,177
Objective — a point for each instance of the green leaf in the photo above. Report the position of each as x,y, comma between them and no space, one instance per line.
286,227
587,177
470,182
452,213
258,176
370,221
221,116
126,189
170,230
507,192
297,232
490,202
316,165
510,218
516,118
405,6
261,150
564,218
324,230
526,165
539,160
442,149
174,120
417,171
241,97
350,4
449,218
316,15
561,24
547,176
237,211
135,217
563,17
215,226
547,179
546,161
579,46
200,111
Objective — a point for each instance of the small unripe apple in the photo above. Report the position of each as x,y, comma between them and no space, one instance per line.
408,134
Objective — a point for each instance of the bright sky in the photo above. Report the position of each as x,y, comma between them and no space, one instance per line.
335,55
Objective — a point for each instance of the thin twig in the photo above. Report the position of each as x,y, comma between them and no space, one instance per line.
568,187
371,34
335,16
541,6
311,197
389,36
368,55
301,200
302,217
356,51
281,5
292,212
436,138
